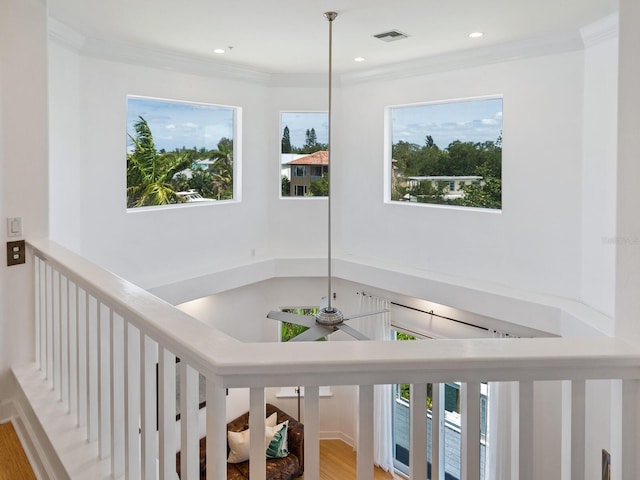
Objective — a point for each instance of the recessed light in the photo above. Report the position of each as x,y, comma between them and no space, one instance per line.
219,50
476,35
358,59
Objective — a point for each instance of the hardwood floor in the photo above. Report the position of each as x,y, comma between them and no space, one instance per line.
14,464
338,462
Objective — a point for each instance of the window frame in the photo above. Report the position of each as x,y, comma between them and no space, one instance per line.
289,175
388,142
236,139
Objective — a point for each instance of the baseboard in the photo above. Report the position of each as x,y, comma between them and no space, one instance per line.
33,450
337,435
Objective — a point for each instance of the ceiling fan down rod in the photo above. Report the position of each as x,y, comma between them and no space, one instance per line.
331,17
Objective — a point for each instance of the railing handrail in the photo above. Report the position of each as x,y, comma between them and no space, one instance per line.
218,355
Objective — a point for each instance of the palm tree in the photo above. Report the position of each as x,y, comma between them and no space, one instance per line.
222,169
148,173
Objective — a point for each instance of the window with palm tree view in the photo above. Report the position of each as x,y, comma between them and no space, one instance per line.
447,153
179,152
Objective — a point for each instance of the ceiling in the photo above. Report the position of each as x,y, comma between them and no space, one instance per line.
291,36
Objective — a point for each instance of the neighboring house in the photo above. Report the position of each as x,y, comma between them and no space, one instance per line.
303,170
454,183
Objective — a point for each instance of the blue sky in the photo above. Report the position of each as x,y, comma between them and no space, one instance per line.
299,122
467,121
178,124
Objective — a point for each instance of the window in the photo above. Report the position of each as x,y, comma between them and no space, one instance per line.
180,152
304,144
452,425
318,171
290,330
436,146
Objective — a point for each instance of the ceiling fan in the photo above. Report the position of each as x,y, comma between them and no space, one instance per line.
328,319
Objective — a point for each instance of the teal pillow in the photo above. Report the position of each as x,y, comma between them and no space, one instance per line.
278,446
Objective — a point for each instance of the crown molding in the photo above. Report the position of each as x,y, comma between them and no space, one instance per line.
536,47
601,31
65,36
144,55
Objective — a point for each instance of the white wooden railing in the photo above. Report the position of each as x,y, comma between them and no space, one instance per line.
99,340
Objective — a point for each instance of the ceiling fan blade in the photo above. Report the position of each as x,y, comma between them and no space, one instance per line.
366,314
353,332
304,320
313,334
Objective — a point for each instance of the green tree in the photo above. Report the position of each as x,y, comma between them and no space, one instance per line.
289,330
286,140
285,186
310,139
149,173
222,169
319,187
487,194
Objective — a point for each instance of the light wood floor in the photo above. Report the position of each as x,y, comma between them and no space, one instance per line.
14,464
338,462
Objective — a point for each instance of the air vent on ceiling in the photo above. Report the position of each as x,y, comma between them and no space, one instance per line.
391,36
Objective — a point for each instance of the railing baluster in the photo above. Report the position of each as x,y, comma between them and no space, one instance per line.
189,401
578,420
437,431
132,401
418,430
149,416
83,357
55,315
525,431
216,430
104,382
117,394
365,433
470,455
49,316
257,460
311,433
167,416
38,316
630,417
64,340
92,368
72,292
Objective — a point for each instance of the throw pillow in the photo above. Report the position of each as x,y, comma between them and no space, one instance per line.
271,420
277,448
239,447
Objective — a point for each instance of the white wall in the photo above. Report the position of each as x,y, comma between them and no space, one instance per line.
599,167
23,169
534,243
149,246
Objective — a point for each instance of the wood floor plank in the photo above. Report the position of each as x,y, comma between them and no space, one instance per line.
14,464
338,462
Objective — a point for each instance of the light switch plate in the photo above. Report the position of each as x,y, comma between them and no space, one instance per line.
14,227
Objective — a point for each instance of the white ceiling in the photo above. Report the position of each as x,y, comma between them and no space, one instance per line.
291,36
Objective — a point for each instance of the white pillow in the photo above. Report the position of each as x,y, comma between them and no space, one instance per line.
239,447
271,420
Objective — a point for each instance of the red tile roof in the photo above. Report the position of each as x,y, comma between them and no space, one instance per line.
317,158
